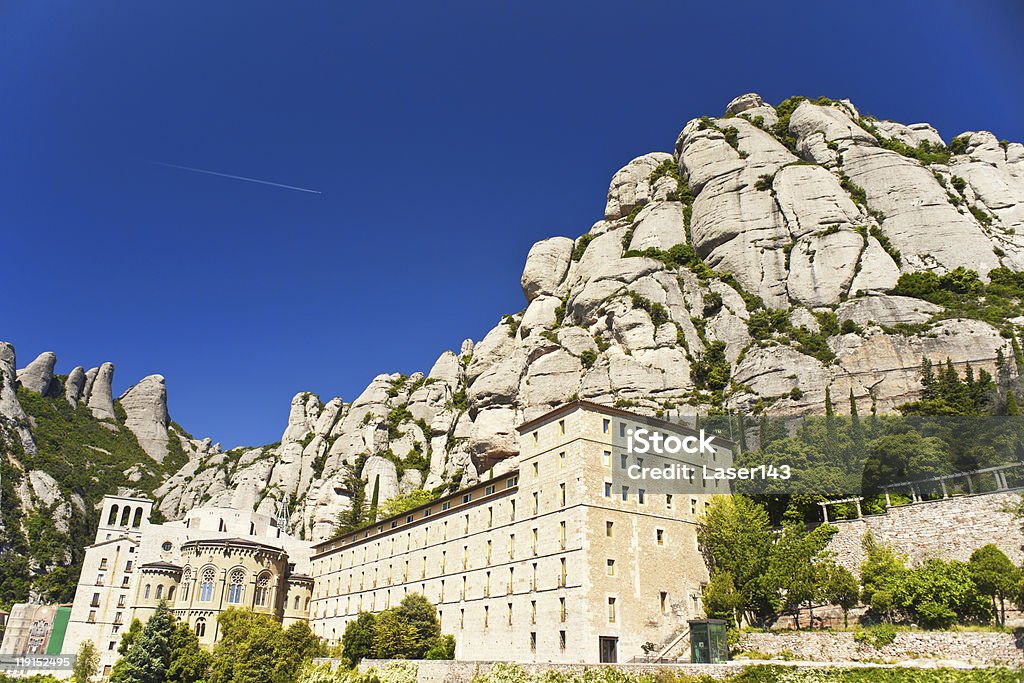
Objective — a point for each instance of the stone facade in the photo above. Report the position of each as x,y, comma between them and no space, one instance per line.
449,671
213,559
949,528
559,560
977,648
28,629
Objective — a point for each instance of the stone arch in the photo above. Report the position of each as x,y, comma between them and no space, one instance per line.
112,518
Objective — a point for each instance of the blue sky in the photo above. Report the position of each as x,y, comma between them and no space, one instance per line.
446,138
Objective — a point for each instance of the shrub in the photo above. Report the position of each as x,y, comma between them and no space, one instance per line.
877,637
588,357
581,246
711,369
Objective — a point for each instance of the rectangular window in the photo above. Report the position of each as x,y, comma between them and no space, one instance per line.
490,516
511,546
511,580
467,497
512,510
625,493
488,551
611,610
465,556
561,493
561,426
607,489
562,574
465,529
510,614
641,496
533,580
693,506
535,437
606,458
668,501
561,610
608,529
561,535
446,505
561,641
487,585
489,490
561,460
622,429
663,601
533,641
659,535
462,618
536,502
622,461
536,470
487,615
511,482
533,540
604,425
533,611
611,567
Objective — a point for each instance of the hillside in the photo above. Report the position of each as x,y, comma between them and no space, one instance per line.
774,254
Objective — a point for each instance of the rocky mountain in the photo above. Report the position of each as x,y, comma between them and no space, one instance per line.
775,253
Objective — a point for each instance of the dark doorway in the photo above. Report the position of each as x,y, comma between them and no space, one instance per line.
609,649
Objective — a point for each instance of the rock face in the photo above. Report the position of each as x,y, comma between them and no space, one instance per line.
145,407
12,415
38,374
100,391
74,386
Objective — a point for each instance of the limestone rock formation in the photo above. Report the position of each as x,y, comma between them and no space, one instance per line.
74,386
100,391
37,375
145,407
11,413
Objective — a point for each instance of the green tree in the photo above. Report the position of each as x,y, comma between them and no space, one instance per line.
840,587
996,577
443,647
188,662
721,599
147,658
735,537
87,663
255,649
419,613
393,638
799,566
357,641
129,637
880,573
939,594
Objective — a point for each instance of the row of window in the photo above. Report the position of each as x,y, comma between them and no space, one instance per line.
492,583
391,546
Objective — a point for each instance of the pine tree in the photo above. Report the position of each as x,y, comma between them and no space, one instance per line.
149,655
374,500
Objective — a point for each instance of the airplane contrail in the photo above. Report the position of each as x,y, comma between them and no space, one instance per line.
237,177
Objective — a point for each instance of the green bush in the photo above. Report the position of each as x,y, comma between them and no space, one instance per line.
588,357
581,246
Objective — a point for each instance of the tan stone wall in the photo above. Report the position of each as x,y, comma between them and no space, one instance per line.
951,529
973,647
442,671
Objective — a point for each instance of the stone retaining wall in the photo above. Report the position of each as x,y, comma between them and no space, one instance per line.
950,529
979,648
446,671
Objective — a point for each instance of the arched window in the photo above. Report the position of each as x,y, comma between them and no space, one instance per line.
206,585
296,603
186,581
262,588
307,604
222,526
112,519
137,519
236,586
160,592
252,528
125,516
170,593
200,627
145,593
